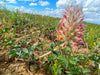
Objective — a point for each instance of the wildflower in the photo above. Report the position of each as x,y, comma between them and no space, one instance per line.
70,26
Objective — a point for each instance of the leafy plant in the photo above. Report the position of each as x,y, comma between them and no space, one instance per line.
10,42
90,38
4,30
25,55
70,32
62,59
68,64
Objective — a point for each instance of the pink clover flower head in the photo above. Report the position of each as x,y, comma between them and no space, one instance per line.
71,27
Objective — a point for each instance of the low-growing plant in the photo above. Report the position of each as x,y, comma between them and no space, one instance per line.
3,41
23,54
68,64
10,42
4,30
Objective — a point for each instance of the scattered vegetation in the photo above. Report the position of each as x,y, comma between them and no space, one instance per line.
38,42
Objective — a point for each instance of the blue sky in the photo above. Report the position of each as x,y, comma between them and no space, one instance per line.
91,8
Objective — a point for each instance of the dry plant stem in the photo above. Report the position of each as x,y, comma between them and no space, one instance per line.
44,55
57,48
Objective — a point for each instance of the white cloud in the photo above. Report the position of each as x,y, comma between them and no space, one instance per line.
87,3
22,7
92,5
54,13
81,2
2,2
97,14
33,4
88,19
12,1
28,0
44,3
96,3
48,8
63,3
91,8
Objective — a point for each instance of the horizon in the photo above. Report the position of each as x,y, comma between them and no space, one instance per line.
91,8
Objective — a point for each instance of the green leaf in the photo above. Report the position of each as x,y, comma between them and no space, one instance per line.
45,64
1,41
85,56
6,29
18,53
50,58
12,55
52,46
10,43
72,61
21,49
55,52
31,48
32,56
24,55
24,42
11,52
75,70
86,71
25,50
13,40
67,49
7,44
30,53
5,40
96,63
49,49
39,48
16,45
56,43
39,45
61,60
77,59
1,31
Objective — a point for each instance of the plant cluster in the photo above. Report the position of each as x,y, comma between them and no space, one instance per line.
70,32
64,57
